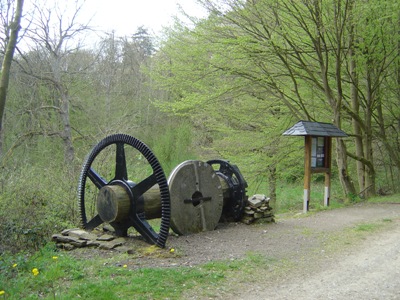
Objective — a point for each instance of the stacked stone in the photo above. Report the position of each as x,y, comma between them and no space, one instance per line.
76,238
258,210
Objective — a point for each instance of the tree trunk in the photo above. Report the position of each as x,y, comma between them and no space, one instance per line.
272,185
6,66
345,180
66,133
335,101
369,189
355,105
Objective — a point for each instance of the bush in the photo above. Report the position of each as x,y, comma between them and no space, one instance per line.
35,207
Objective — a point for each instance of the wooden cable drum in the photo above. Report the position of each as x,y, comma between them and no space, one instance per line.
197,196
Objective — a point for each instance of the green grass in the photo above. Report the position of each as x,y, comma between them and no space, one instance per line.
368,227
290,197
395,198
62,276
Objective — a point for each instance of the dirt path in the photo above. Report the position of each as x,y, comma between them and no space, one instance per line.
352,268
285,238
370,270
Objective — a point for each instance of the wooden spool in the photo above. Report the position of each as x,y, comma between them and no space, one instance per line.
197,198
113,203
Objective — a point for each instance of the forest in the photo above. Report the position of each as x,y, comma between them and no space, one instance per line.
225,86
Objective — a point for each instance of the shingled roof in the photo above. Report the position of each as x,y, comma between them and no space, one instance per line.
303,128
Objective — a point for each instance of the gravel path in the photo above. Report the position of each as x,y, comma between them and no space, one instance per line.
368,271
357,269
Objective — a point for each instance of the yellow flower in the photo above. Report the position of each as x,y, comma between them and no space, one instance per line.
15,265
172,250
35,271
2,293
124,266
55,257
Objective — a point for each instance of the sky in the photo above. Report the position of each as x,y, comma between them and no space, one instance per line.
125,16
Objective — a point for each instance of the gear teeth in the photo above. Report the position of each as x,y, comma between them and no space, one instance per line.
158,173
237,185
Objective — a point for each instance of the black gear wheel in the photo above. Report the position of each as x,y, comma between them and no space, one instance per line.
234,209
135,190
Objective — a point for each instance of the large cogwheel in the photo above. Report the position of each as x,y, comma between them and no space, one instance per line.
96,168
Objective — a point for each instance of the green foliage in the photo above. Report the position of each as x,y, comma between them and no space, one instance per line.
34,204
173,144
246,71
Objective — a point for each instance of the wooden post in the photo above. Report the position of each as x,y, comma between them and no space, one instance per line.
328,150
307,172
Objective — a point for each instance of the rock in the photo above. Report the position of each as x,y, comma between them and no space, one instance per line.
82,234
249,212
65,246
75,238
260,197
258,209
258,215
105,237
69,239
78,243
247,220
265,220
254,202
108,245
93,243
66,231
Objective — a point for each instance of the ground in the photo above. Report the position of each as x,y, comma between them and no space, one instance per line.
315,256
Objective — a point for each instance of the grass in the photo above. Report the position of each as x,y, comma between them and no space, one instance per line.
367,227
61,276
290,197
395,198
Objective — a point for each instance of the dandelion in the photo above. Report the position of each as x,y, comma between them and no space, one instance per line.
35,271
55,257
172,250
14,265
2,292
124,266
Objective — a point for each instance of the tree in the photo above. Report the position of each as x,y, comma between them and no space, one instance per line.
323,60
55,39
121,80
11,38
237,116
